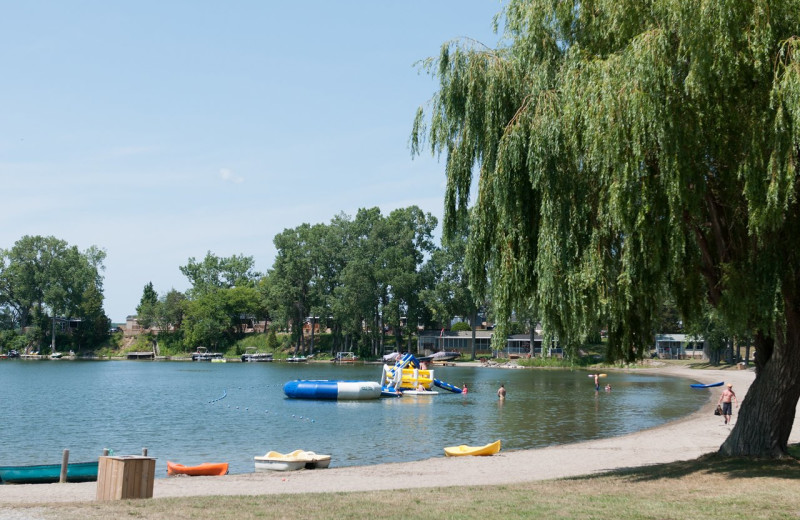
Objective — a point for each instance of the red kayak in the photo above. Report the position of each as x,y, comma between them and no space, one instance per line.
206,468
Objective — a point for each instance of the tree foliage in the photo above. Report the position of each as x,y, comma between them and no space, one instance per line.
215,319
624,146
357,275
147,310
44,277
450,295
215,272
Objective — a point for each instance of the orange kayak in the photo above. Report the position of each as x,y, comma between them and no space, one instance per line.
206,468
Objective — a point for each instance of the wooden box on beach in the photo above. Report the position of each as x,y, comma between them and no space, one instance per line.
125,477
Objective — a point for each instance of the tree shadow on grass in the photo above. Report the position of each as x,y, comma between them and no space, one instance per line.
702,365
738,467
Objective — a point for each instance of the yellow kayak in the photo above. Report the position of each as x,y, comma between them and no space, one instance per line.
458,451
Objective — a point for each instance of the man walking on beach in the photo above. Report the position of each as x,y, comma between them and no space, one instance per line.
726,398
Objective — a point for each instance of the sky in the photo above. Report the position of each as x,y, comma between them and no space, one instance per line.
163,130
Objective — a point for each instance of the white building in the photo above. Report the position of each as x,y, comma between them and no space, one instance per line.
680,346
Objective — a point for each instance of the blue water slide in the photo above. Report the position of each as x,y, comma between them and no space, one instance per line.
407,359
447,386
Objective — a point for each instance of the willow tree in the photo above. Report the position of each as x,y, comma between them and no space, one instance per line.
626,146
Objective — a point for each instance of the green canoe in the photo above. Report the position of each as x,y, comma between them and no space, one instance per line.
48,473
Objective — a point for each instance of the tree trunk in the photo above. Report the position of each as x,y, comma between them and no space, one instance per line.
532,341
767,413
473,325
747,353
398,338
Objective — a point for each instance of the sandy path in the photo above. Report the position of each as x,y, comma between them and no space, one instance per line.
684,439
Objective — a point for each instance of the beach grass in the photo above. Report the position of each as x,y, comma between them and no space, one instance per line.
710,487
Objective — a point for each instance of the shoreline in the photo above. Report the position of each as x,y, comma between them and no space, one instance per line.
686,438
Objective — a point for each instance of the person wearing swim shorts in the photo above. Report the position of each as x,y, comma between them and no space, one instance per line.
727,399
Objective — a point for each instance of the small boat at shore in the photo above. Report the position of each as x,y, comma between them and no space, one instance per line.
707,385
298,459
345,357
252,356
48,473
204,469
203,354
440,357
458,451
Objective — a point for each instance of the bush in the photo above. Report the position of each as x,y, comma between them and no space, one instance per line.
272,341
461,326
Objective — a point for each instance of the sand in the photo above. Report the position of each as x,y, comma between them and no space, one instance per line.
690,437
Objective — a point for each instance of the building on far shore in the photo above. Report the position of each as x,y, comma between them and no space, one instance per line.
516,346
680,346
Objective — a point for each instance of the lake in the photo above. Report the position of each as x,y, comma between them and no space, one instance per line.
190,412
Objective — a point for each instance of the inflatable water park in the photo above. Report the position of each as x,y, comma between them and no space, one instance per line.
407,376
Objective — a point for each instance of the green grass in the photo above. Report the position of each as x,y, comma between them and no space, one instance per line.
707,488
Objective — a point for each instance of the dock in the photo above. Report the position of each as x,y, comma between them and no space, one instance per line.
141,355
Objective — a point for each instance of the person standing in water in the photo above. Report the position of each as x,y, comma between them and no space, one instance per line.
464,389
501,392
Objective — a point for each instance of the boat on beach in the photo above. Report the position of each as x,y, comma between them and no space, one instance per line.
440,357
391,357
707,385
48,473
298,459
458,451
444,356
204,469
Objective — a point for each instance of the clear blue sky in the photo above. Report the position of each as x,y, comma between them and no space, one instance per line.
160,130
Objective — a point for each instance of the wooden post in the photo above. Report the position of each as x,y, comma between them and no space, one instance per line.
105,452
144,452
64,464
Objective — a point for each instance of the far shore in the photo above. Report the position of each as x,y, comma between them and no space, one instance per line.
687,438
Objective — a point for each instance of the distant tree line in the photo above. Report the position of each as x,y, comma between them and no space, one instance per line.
359,277
44,283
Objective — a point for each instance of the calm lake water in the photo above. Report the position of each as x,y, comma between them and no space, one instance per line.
177,411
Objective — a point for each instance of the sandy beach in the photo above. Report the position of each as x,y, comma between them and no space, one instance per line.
688,438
